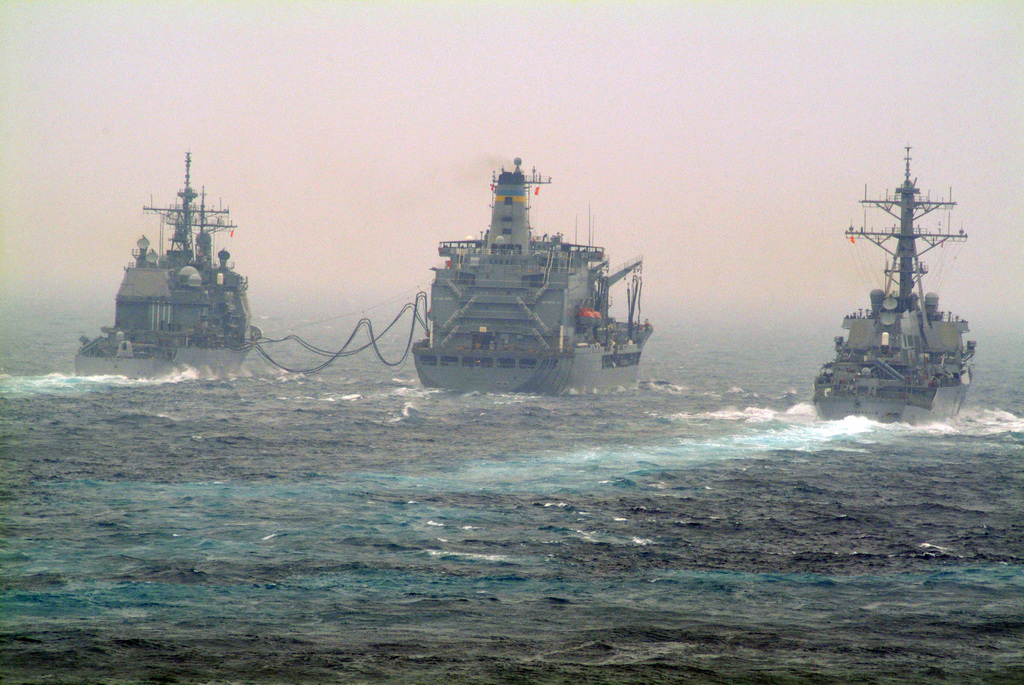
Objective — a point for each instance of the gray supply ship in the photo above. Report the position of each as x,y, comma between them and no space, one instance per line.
904,359
517,312
177,309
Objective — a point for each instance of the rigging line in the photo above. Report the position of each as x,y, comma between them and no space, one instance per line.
937,274
316,350
418,289
866,274
941,261
394,298
415,307
361,323
341,353
366,323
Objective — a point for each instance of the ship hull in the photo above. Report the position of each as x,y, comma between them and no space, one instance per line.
945,404
208,363
583,370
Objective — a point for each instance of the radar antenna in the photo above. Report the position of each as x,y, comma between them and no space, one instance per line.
905,270
188,228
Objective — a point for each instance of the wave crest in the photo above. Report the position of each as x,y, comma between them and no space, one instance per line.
64,383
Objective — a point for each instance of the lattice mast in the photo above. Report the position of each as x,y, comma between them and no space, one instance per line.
191,242
906,267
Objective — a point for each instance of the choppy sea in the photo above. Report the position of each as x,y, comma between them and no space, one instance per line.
355,527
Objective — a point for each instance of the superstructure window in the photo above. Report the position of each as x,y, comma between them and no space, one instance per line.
480,362
533,280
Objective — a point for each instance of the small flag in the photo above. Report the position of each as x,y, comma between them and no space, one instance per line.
851,239
232,234
536,191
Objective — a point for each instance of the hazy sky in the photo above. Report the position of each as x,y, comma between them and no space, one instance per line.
728,143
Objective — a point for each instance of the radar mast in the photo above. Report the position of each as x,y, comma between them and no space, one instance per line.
187,248
906,267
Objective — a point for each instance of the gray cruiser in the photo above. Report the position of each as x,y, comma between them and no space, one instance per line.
176,309
905,359
518,312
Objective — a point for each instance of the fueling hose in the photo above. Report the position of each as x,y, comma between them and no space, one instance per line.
418,307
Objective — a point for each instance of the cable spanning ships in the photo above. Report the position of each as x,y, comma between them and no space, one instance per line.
517,312
178,309
904,359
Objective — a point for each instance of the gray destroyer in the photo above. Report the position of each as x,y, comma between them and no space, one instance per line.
176,309
905,359
517,312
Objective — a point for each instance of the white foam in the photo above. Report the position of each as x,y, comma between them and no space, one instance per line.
414,392
804,410
666,387
467,555
988,422
745,415
979,422
331,397
178,377
722,434
809,436
59,383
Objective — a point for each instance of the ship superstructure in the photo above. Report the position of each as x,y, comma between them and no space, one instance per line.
516,312
176,309
904,359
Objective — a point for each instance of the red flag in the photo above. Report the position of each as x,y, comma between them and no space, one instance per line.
851,239
232,234
536,191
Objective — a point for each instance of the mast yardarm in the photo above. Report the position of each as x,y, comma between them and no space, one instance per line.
184,245
905,270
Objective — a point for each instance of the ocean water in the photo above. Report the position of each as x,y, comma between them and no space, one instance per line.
355,527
